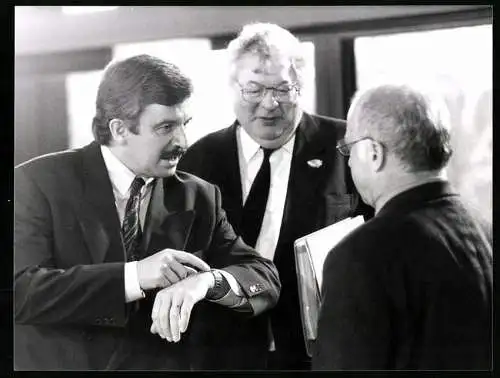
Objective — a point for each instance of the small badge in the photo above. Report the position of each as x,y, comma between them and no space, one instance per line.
254,288
315,163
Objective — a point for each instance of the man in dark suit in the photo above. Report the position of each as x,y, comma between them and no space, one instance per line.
115,251
411,288
308,186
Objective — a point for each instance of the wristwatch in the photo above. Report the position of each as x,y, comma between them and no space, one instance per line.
220,288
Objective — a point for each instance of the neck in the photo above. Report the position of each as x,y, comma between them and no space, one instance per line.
402,183
120,154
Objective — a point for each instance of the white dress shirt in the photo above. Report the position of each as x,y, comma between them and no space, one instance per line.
121,179
250,157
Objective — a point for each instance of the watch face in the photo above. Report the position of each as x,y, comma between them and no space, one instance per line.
220,288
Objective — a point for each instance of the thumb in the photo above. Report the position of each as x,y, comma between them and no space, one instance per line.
191,260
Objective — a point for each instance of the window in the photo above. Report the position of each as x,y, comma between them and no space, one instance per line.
459,61
81,91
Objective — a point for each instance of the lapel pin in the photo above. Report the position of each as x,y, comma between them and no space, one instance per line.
315,163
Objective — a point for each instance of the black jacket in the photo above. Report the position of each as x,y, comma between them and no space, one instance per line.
410,289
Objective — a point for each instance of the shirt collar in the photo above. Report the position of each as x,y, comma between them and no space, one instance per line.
121,177
250,147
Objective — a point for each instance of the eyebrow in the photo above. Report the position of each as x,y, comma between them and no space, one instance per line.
281,83
170,121
162,123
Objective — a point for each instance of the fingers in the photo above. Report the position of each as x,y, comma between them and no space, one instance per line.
169,276
164,318
190,271
180,270
174,319
156,307
160,315
190,259
153,328
185,314
175,272
172,307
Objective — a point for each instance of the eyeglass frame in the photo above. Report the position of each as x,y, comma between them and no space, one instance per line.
293,87
345,148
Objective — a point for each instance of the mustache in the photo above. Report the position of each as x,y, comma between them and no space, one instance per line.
174,153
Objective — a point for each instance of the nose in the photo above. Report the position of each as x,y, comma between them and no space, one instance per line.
269,102
179,136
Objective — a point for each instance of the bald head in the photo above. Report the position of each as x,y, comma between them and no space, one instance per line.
410,123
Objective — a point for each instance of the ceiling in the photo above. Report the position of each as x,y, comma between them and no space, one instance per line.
45,29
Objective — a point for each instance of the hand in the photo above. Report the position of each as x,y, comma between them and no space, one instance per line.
166,267
173,305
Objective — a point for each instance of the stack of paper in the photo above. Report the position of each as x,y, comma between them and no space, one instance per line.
310,255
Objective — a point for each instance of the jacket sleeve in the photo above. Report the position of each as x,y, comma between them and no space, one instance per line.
45,291
257,276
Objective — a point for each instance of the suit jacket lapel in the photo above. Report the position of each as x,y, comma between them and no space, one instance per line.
305,177
229,176
97,214
169,218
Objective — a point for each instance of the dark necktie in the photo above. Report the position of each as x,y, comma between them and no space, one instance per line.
131,227
255,205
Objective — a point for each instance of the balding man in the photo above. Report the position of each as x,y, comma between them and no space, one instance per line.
412,287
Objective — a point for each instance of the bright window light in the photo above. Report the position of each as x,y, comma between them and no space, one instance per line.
459,63
85,9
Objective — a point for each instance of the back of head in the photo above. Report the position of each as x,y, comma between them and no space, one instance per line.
129,85
410,123
269,42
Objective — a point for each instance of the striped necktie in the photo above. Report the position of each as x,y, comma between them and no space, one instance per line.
131,227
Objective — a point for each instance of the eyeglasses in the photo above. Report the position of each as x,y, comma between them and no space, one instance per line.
345,148
255,93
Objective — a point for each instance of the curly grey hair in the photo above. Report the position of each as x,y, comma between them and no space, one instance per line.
268,41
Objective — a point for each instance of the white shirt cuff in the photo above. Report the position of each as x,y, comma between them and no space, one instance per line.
133,290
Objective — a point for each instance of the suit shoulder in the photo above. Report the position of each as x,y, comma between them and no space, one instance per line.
192,180
326,128
380,233
54,161
211,140
324,121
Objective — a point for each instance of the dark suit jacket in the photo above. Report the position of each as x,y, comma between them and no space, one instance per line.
70,310
410,289
316,197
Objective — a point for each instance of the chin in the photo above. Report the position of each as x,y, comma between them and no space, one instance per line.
273,143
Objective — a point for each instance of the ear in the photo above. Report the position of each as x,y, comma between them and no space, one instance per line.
118,129
378,155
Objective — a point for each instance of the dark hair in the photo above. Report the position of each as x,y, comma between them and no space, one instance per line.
128,86
411,123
